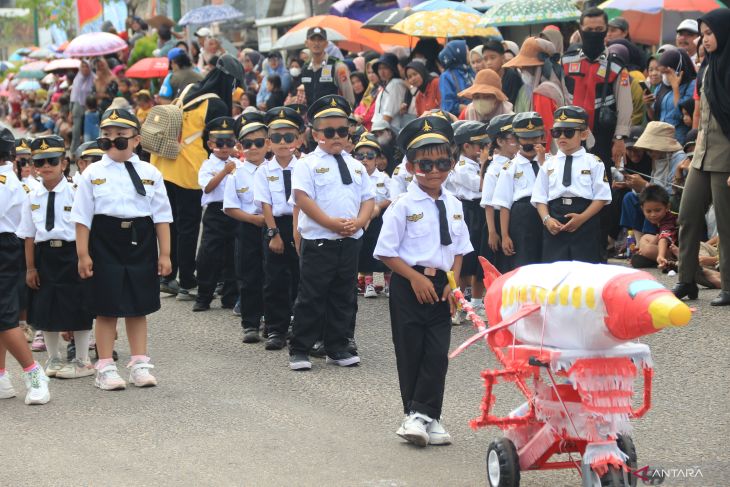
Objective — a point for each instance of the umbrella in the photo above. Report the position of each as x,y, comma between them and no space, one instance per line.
5,65
30,74
63,46
389,38
431,5
386,19
350,30
296,39
28,85
151,67
62,65
43,53
34,66
444,23
656,6
95,44
209,14
521,12
48,79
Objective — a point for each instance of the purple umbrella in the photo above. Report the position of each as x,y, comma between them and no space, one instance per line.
95,44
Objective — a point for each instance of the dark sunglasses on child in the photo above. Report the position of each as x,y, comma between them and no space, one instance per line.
52,161
248,143
288,138
221,143
23,162
361,156
329,132
120,143
427,165
569,133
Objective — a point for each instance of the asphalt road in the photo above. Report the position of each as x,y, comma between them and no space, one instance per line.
226,413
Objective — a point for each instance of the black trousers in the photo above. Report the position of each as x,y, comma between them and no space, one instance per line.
281,277
525,230
250,271
584,244
186,212
215,256
476,221
421,337
11,255
326,303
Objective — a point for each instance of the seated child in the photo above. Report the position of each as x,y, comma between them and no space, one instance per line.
654,202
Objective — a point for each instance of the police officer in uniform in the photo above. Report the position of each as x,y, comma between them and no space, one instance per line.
324,75
570,191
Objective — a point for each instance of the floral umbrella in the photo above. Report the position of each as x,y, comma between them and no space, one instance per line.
521,12
209,14
444,23
95,44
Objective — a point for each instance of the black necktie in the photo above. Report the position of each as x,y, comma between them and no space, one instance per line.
344,170
138,186
567,171
535,167
287,183
51,211
443,223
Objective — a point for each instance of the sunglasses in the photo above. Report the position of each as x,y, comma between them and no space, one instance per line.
361,156
329,132
23,162
52,161
120,143
221,143
569,133
248,143
288,138
427,165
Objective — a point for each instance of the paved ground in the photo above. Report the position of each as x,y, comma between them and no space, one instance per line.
232,414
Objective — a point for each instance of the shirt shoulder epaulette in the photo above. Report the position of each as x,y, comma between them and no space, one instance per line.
506,165
396,171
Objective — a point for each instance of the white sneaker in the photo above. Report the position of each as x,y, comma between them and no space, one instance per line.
386,291
75,369
414,429
437,435
108,379
140,376
36,382
370,291
458,317
6,387
53,366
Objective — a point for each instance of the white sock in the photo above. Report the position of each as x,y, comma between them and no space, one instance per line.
81,339
22,323
52,338
476,301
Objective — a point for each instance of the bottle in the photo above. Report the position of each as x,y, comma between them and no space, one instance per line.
630,244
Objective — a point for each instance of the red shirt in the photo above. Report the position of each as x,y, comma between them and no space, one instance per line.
668,228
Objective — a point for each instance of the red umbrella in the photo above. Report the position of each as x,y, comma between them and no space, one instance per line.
150,67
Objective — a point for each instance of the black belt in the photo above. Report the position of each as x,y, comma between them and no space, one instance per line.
569,201
330,243
54,244
471,203
8,234
215,204
524,199
429,271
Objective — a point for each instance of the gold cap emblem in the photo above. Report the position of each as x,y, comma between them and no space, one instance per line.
224,124
282,114
24,144
563,116
43,146
426,126
530,126
333,103
114,115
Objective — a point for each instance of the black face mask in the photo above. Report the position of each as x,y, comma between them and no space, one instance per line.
528,147
593,43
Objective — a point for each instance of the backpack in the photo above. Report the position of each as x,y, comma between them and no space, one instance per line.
162,128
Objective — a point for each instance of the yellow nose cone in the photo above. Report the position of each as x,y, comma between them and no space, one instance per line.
668,311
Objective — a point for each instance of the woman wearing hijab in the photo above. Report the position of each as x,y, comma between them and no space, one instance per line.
708,179
457,76
678,85
82,87
203,101
359,81
428,96
105,85
251,67
621,53
364,112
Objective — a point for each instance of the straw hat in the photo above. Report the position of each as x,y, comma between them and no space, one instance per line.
658,136
528,56
487,82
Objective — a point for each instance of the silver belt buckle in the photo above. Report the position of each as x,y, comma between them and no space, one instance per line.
567,201
55,243
126,225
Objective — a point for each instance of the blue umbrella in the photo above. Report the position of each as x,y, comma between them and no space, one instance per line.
209,14
432,5
28,85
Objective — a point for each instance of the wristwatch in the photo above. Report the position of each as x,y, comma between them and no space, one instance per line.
619,137
544,220
271,232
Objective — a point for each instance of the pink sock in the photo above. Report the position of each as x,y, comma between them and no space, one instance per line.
30,368
368,280
103,362
138,358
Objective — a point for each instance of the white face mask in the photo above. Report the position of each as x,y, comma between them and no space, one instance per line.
485,106
295,72
665,80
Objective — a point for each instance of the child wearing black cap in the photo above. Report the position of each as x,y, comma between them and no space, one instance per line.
570,191
12,339
520,223
217,241
273,188
421,303
336,201
239,204
52,262
122,216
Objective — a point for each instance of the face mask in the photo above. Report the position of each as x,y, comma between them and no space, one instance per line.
295,72
593,43
485,106
528,147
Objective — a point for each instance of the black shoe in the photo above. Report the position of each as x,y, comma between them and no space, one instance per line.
343,359
686,289
198,306
251,335
352,346
299,361
70,351
275,342
722,299
318,350
169,286
218,290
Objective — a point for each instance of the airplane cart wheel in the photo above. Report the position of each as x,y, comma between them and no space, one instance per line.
503,464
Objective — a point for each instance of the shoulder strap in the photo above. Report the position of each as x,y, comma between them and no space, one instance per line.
605,80
198,99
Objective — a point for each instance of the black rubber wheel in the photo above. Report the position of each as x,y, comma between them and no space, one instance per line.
503,464
615,476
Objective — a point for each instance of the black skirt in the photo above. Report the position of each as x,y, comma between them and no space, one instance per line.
367,262
476,220
125,280
23,289
11,255
497,259
59,304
